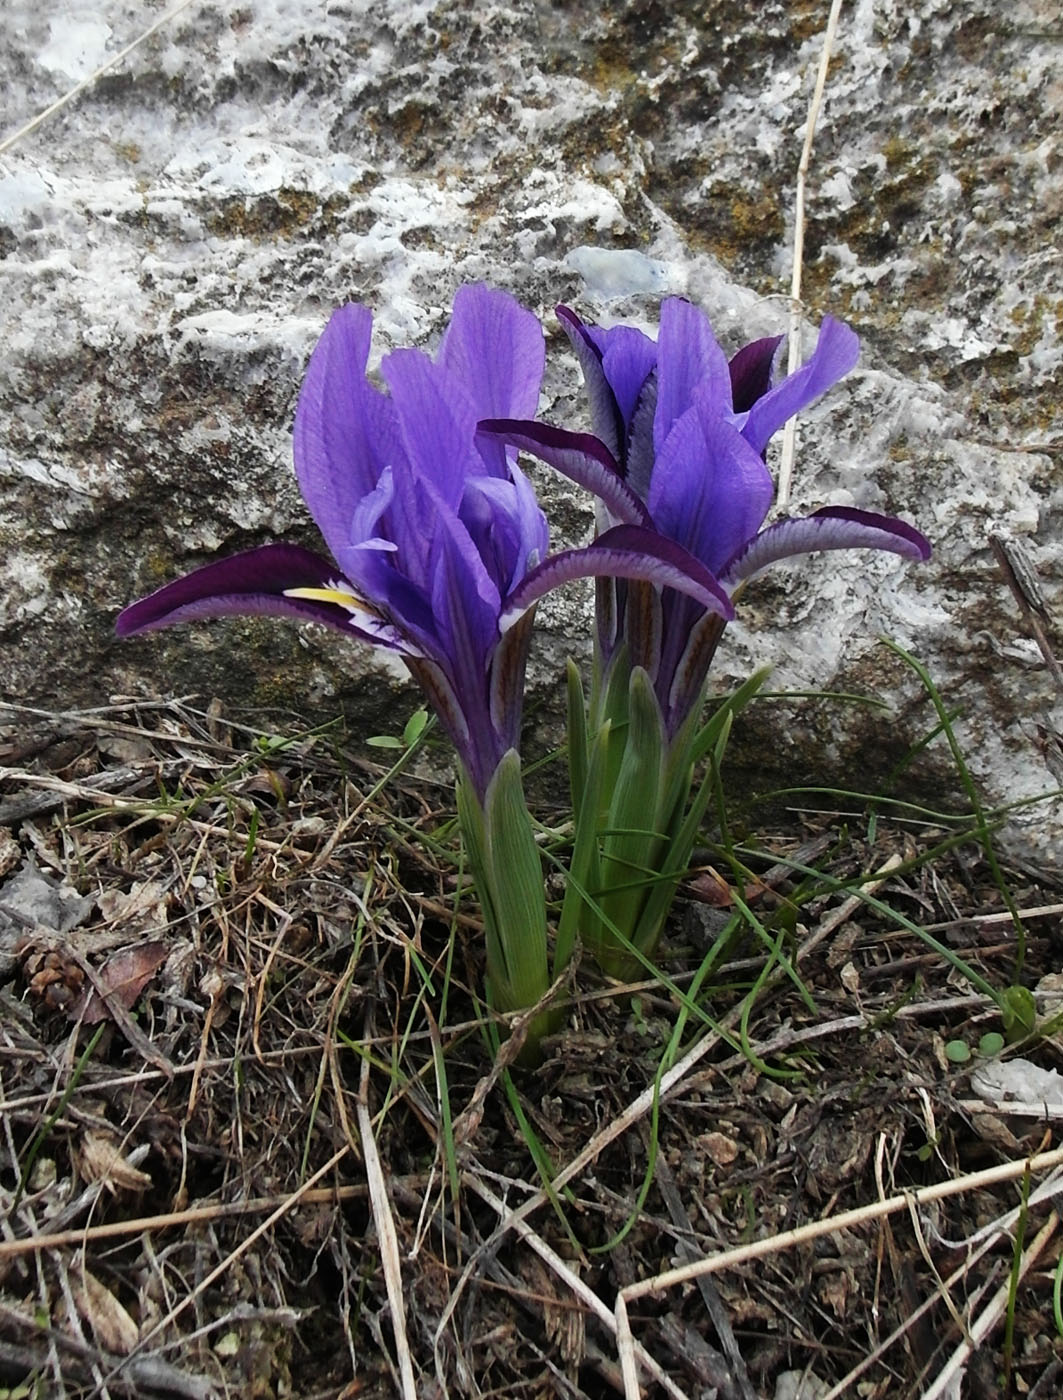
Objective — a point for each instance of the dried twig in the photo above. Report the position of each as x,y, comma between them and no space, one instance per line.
571,1280
789,442
846,1220
994,1311
86,83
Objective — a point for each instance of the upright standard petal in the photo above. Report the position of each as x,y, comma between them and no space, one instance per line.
688,359
344,428
495,348
436,423
710,490
631,370
628,359
837,351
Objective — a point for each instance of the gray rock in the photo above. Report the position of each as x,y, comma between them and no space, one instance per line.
172,241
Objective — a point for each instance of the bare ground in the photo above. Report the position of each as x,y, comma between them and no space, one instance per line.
254,1141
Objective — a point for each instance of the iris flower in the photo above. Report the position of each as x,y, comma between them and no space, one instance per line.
678,442
439,553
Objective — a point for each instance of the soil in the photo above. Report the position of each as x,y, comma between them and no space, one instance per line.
256,1138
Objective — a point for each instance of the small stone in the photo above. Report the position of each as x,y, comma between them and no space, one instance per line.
719,1148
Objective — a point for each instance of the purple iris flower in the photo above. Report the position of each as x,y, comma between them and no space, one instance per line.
678,442
438,544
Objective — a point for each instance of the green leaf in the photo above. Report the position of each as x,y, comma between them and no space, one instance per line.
414,727
632,840
584,871
577,738
384,741
514,875
991,1044
957,1052
1019,1012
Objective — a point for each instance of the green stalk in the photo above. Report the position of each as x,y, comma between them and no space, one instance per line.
507,871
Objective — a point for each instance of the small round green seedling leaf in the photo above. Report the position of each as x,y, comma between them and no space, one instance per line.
958,1052
991,1044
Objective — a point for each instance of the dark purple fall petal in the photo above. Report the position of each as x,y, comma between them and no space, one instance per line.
834,527
628,552
581,457
251,583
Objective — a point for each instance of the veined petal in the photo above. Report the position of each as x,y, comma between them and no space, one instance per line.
368,514
581,457
837,351
437,420
834,527
688,357
465,599
710,489
638,469
628,359
505,523
344,428
626,551
259,582
440,692
508,664
751,372
495,348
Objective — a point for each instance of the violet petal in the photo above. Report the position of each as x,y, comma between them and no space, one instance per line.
605,415
837,350
625,551
495,348
581,457
688,358
344,428
833,527
710,489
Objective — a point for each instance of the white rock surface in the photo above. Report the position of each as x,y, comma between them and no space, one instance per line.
172,242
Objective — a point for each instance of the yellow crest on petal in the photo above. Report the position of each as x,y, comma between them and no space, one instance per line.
328,595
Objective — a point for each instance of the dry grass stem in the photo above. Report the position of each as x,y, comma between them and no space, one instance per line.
789,440
387,1236
945,1381
68,97
846,1220
572,1281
